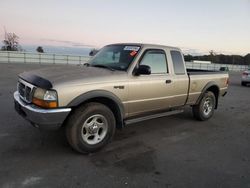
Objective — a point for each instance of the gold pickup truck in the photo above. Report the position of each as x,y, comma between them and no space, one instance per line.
122,84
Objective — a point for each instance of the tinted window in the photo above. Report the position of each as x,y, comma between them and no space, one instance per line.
178,62
156,59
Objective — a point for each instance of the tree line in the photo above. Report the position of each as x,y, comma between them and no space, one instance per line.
221,58
11,43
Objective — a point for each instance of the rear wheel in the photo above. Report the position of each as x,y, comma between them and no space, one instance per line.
204,110
90,127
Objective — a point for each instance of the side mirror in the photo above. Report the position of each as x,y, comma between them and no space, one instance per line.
143,70
93,52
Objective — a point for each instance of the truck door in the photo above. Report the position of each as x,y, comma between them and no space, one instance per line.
151,92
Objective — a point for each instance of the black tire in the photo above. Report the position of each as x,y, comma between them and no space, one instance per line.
243,83
202,112
76,127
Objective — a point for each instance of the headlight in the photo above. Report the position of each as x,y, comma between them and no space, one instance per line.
45,98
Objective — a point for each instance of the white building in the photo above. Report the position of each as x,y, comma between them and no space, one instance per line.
203,62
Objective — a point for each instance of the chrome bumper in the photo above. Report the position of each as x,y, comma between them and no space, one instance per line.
49,119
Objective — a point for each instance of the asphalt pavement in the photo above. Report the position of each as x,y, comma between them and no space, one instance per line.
175,151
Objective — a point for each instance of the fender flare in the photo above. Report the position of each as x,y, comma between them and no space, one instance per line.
101,94
207,86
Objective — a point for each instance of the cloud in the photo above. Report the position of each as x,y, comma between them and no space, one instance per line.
198,52
69,43
192,51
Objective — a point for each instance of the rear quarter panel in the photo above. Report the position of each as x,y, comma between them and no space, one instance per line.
198,82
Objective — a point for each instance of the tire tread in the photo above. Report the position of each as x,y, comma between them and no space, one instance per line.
73,123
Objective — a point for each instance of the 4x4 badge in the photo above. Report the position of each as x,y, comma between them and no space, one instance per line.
118,87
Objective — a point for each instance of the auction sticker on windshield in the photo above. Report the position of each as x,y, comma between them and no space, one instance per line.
132,48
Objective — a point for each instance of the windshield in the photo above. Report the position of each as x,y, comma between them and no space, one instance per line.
117,57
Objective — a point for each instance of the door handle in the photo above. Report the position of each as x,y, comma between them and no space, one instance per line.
168,81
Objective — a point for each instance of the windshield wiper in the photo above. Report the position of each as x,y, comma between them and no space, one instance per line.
103,66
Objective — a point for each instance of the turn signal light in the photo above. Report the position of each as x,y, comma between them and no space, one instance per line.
44,104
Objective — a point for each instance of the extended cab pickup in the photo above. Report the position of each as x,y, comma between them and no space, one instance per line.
120,85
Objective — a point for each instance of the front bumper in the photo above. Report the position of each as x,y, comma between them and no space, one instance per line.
49,119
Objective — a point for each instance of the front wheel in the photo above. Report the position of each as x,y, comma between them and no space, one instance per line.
90,127
204,110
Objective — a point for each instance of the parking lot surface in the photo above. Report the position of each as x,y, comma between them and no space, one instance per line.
175,151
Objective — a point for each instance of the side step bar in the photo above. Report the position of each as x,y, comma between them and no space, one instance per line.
154,116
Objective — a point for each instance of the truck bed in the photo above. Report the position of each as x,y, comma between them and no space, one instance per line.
199,79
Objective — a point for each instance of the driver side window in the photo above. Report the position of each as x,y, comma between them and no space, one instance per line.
157,61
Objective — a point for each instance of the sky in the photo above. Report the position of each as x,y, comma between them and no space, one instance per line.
196,26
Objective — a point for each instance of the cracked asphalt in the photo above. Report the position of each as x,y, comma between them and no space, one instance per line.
175,151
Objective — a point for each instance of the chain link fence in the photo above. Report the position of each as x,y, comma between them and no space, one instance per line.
41,58
214,66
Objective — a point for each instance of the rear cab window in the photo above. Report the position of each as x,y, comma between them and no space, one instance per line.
178,63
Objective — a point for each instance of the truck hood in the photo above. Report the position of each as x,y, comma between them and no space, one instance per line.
49,77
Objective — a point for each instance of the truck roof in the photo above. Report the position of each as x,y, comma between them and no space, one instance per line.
148,45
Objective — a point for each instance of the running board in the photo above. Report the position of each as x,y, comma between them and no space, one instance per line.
154,116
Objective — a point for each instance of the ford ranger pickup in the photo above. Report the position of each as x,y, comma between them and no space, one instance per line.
122,84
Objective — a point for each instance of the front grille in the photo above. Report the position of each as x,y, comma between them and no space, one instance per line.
21,89
25,90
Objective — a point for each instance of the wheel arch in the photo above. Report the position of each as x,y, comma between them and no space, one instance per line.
213,87
104,97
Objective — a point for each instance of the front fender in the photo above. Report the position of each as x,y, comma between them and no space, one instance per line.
99,94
